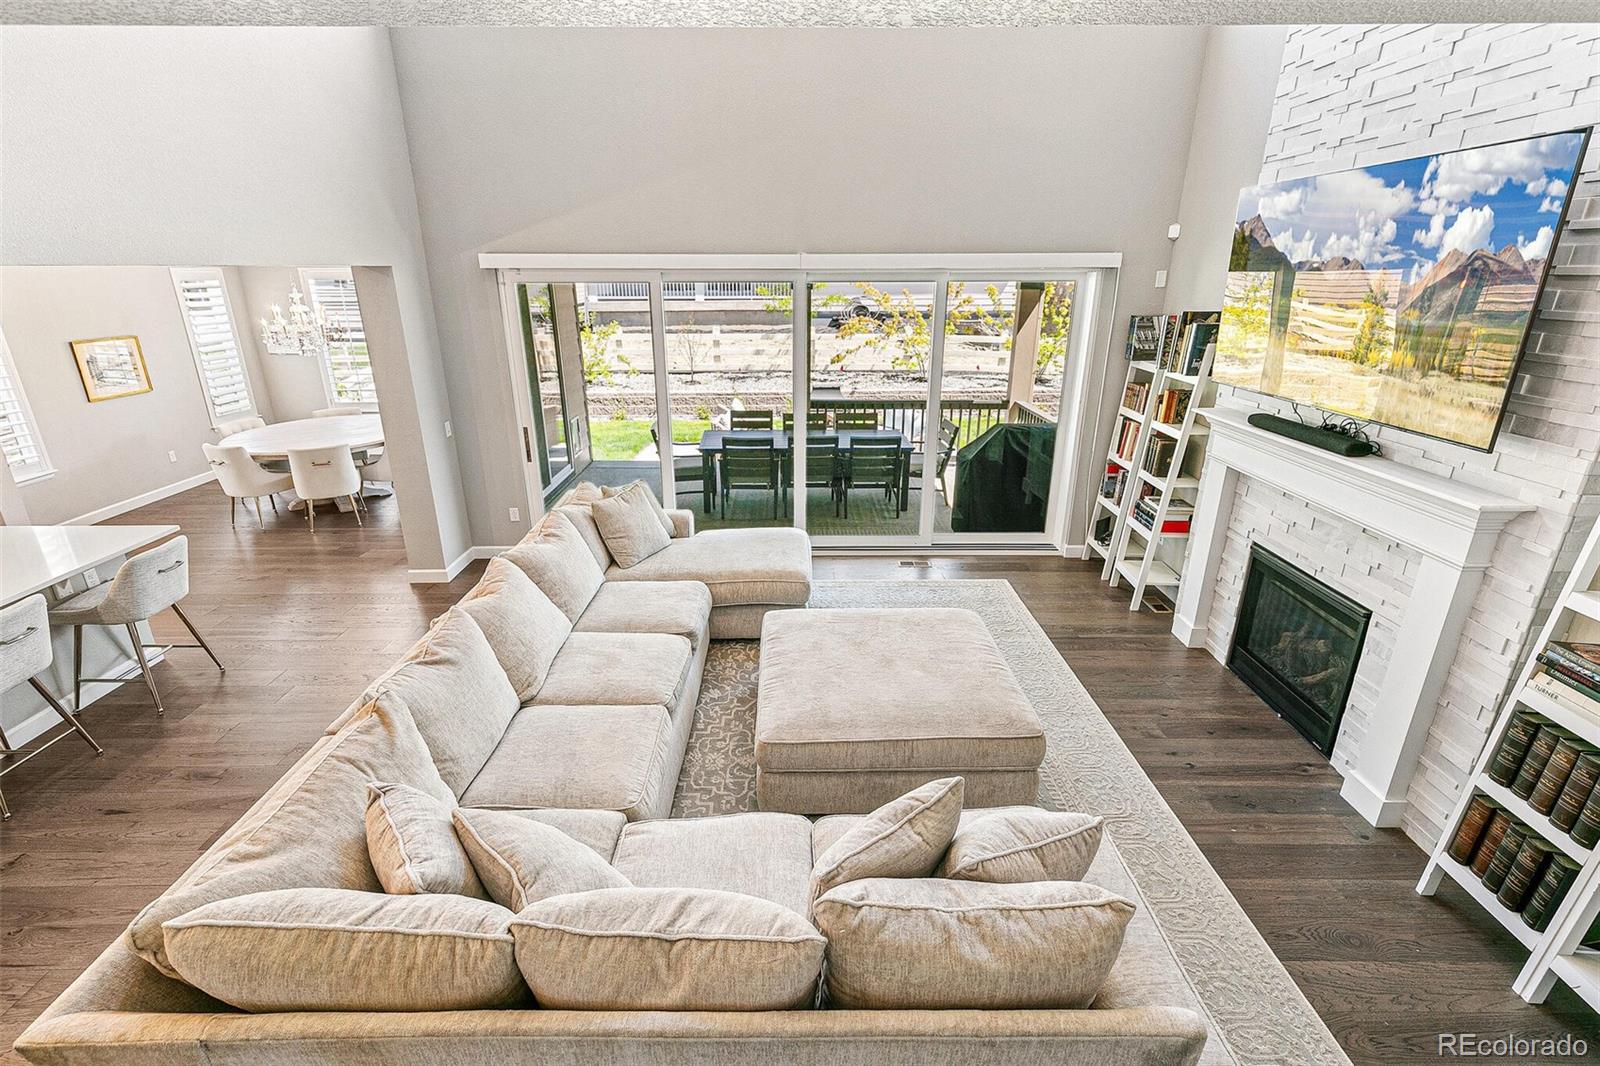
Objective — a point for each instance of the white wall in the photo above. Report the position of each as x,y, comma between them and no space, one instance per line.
111,451
251,146
294,382
782,140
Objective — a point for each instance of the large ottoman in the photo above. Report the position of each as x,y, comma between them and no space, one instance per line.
856,707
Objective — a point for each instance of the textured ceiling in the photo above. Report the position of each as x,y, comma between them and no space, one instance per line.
780,12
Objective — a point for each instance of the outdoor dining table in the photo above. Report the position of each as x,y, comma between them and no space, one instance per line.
711,446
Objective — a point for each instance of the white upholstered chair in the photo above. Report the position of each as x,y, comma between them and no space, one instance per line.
144,586
242,478
330,412
376,467
239,425
325,474
25,653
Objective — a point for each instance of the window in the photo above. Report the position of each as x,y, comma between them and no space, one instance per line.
209,320
347,372
19,433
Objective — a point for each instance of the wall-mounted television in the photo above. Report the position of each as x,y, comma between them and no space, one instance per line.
1398,293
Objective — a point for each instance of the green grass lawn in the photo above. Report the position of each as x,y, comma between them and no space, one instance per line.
612,439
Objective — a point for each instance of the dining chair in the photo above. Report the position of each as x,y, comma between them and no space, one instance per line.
25,653
375,468
325,474
239,425
741,419
855,419
688,469
949,433
330,412
748,463
242,478
873,464
144,586
816,421
822,465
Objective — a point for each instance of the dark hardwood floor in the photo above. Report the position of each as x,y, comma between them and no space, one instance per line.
304,622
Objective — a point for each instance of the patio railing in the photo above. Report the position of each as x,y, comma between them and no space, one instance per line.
972,417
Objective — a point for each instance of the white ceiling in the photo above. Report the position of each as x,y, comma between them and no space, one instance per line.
780,12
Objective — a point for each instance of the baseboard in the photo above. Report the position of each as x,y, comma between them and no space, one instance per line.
133,503
1384,813
920,551
462,561
1190,634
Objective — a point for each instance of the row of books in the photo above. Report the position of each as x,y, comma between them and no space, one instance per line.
1179,515
1575,665
1527,874
1158,455
1172,405
1554,770
1128,439
1173,342
1115,480
1134,396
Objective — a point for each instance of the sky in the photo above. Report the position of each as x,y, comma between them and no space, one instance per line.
1406,216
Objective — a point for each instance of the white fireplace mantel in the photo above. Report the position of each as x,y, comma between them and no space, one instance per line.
1452,526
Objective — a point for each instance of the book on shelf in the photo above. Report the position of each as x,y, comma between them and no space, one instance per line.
1158,456
1581,659
1494,875
1538,757
1128,440
1178,518
1172,405
1556,772
1575,793
1200,337
1115,480
1586,828
1483,854
1513,746
1144,337
1473,823
1134,396
1547,895
1526,870
1179,336
1560,692
1569,677
1170,337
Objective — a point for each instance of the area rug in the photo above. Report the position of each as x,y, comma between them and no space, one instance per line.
1256,1014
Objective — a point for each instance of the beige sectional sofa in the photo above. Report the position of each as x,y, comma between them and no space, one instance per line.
593,761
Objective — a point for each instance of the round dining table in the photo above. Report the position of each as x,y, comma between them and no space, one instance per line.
272,443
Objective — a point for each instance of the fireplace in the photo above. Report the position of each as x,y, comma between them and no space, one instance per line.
1296,644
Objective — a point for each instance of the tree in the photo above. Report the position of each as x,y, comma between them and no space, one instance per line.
1055,307
594,341
1373,343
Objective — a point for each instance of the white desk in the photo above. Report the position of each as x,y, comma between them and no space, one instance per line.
38,559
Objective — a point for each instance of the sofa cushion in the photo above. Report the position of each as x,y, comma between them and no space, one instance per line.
308,830
522,626
681,608
413,845
596,830
662,518
457,694
629,521
1024,845
575,505
667,949
933,944
522,861
617,668
826,831
555,556
621,750
738,565
319,949
762,855
904,838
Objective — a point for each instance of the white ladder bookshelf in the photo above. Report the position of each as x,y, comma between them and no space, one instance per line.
1557,951
1141,555
1113,512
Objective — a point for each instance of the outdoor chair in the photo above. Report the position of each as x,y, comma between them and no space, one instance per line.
873,464
822,465
738,419
816,421
688,468
855,420
949,433
749,463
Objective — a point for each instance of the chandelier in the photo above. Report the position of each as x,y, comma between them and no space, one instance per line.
303,331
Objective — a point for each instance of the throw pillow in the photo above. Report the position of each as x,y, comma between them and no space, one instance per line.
629,524
457,693
330,949
928,944
413,845
903,838
523,861
521,624
575,505
667,949
556,558
661,514
1023,845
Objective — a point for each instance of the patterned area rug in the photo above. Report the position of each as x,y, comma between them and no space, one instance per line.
1256,1013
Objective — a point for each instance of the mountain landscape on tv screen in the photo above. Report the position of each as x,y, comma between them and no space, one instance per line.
1398,293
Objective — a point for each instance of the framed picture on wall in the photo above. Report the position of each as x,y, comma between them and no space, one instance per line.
111,367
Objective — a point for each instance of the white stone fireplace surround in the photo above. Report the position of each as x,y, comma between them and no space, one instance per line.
1450,527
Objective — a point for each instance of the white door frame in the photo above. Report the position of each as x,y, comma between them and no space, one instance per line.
1088,270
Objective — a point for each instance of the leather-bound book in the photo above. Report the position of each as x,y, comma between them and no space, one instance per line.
1586,830
1504,856
1473,823
1549,892
1499,822
1556,772
1525,873
1533,764
1575,793
1513,747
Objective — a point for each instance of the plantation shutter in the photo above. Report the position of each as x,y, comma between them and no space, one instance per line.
349,367
216,345
19,437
